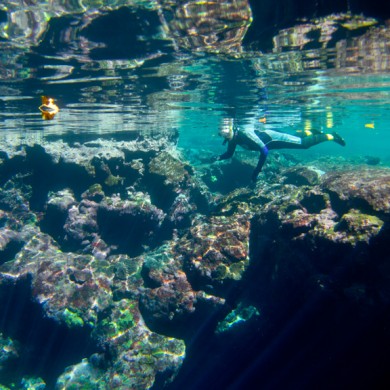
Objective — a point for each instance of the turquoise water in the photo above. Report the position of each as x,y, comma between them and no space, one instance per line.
134,70
195,93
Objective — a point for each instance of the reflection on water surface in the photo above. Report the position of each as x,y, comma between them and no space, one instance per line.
161,66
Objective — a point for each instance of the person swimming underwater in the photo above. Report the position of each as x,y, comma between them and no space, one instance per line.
265,140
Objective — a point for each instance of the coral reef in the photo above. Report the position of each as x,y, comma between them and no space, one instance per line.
216,249
169,298
340,224
237,316
126,242
8,350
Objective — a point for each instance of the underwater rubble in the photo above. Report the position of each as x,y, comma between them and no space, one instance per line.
126,246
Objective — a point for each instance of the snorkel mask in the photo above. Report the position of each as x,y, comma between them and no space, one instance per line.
226,130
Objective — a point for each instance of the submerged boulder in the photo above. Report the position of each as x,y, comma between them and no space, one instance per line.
169,300
365,189
216,250
302,176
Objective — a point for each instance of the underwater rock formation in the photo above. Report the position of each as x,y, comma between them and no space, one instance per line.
341,224
302,176
215,252
168,298
237,317
125,242
8,350
80,290
87,289
368,189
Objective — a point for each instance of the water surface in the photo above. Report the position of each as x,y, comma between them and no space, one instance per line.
111,80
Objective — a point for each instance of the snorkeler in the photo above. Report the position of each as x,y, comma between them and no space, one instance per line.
265,140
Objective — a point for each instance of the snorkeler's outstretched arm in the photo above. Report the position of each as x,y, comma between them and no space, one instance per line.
232,144
259,166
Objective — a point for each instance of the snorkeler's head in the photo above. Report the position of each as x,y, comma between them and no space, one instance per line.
226,130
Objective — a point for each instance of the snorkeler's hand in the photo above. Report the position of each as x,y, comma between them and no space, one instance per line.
214,159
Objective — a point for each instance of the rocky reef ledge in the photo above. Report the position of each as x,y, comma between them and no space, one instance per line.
121,269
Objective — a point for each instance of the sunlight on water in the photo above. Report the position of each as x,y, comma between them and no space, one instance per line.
196,95
343,88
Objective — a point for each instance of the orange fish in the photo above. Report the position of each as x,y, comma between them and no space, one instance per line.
48,108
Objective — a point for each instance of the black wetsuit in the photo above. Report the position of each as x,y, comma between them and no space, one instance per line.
265,140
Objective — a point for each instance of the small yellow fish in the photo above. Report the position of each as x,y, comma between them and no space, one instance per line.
370,125
263,120
359,23
48,108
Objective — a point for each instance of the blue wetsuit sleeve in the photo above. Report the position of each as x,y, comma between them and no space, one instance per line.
262,158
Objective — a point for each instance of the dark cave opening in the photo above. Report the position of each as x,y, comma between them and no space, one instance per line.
46,347
9,252
129,232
